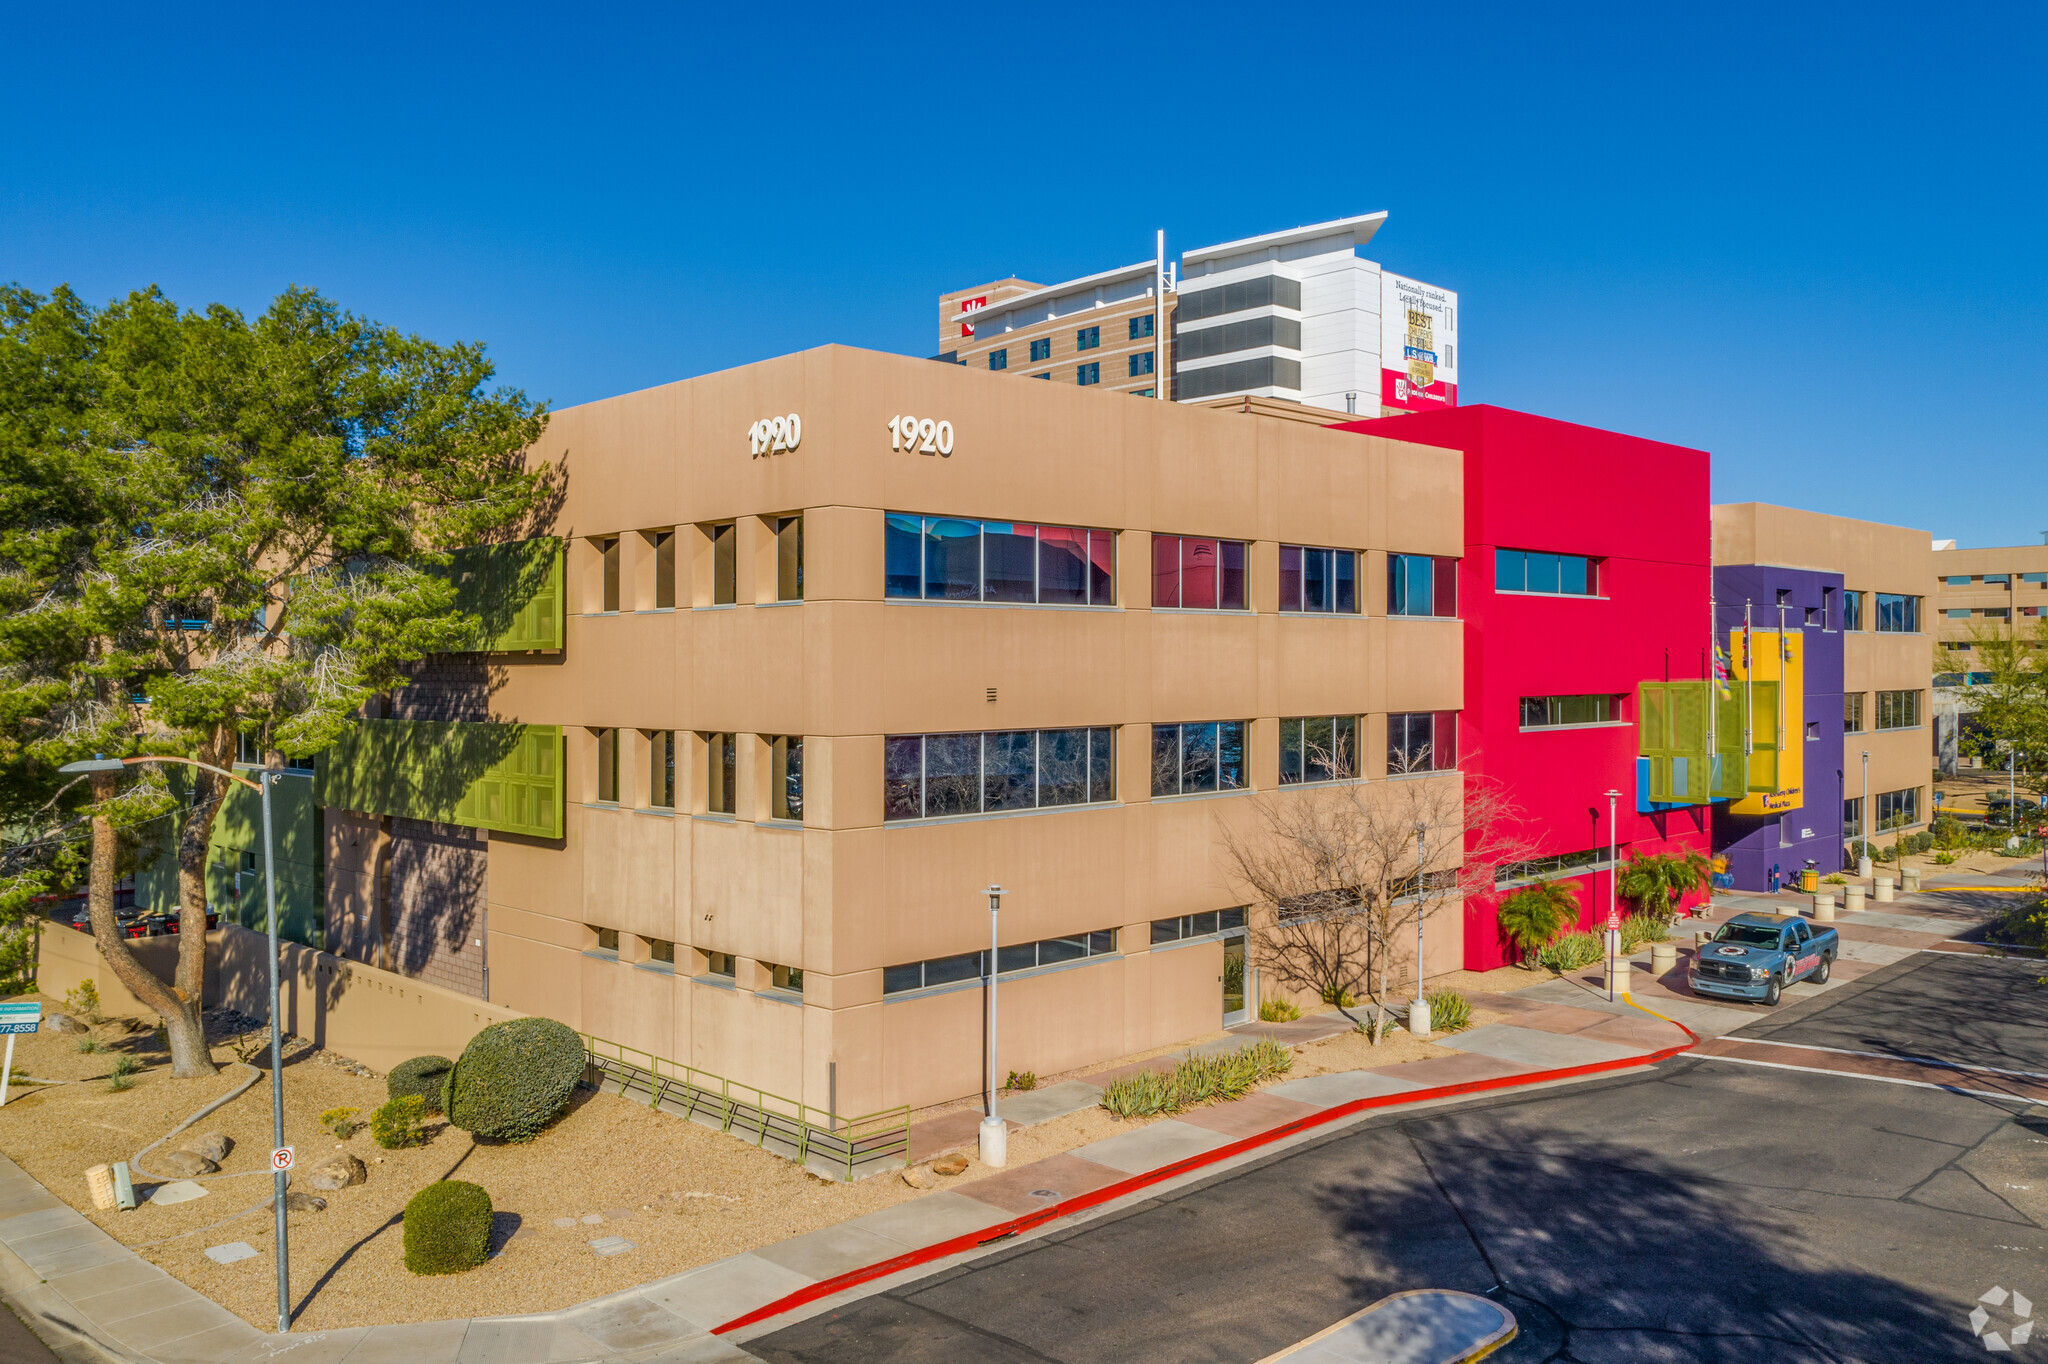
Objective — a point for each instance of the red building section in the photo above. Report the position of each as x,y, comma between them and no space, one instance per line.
1587,570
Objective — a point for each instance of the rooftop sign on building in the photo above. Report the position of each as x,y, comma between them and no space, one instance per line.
1418,344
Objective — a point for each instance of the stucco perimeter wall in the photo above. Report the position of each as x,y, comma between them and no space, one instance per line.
372,1016
844,893
1871,557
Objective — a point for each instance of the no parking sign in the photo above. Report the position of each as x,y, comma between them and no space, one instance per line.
281,1159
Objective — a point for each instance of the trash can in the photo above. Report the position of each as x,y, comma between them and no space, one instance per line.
1809,881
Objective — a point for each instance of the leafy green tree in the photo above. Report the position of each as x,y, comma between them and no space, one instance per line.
1533,917
214,527
2011,703
1656,883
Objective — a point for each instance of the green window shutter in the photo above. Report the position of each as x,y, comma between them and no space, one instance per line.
515,591
1731,778
1653,737
1672,734
478,775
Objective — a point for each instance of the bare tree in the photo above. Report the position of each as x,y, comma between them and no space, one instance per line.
1342,874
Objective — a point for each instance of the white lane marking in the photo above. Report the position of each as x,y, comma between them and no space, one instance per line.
1887,1056
1881,1079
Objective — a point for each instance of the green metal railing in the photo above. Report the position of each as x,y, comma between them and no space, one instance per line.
809,1136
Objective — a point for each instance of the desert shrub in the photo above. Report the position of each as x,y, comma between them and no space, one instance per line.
1944,859
1532,917
1918,843
397,1123
1835,879
91,1045
514,1079
447,1226
341,1122
1277,1011
83,1001
1449,1011
123,1076
422,1075
1639,928
1573,951
1340,997
1142,1095
1021,1080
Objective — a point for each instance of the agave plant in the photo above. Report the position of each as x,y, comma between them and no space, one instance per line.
1533,916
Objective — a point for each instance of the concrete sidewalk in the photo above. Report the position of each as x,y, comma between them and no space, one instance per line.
75,1282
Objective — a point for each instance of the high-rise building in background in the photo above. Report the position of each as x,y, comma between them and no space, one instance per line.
1297,316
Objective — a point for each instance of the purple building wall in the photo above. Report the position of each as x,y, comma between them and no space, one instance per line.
1754,844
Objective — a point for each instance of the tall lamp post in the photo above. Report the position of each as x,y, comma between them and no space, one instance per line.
262,789
993,1134
1863,820
1419,1021
1613,875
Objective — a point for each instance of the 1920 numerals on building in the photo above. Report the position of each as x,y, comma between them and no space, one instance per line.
922,434
773,435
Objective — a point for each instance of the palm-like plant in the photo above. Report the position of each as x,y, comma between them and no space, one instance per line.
1658,881
1533,916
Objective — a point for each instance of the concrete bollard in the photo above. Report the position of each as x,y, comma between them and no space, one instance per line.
1912,875
1824,909
1855,899
1618,978
1418,1020
1884,890
1863,867
1663,958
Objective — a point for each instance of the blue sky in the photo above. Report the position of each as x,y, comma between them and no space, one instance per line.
1808,239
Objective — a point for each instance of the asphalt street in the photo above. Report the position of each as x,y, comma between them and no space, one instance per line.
1696,1211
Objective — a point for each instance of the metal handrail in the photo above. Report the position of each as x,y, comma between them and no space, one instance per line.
843,1142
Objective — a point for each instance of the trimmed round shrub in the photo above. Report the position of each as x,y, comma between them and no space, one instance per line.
514,1079
423,1076
397,1123
447,1228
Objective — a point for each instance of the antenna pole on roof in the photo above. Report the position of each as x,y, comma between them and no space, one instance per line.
1160,378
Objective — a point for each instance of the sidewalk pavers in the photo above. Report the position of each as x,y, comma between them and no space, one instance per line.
1031,1107
1539,1049
1042,1183
1346,1086
1147,1148
1252,1114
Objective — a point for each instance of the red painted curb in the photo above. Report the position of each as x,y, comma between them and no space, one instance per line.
1001,1231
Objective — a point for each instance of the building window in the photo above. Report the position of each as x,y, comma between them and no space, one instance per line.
1318,748
1090,373
661,769
929,776
1554,575
1264,371
1561,712
1204,343
1852,610
1087,338
789,978
1422,741
1141,363
1898,709
721,964
999,359
1193,572
1189,759
1957,580
1852,712
789,558
1813,617
606,943
1207,924
945,558
298,763
724,564
1997,613
1027,956
661,955
609,548
1957,613
1421,585
1262,292
1827,608
247,751
1998,580
2034,578
1041,349
1318,580
607,765
1141,327
1547,868
786,779
1897,615
664,569
1898,809
1852,818
721,774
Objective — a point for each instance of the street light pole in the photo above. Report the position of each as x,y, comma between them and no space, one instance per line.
1613,874
993,1143
262,789
1420,1023
1863,824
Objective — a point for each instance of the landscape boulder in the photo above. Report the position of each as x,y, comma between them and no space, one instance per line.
214,1146
339,1173
294,1201
955,1164
186,1164
63,1023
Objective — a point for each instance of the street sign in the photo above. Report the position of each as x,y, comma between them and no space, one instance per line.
16,1018
282,1158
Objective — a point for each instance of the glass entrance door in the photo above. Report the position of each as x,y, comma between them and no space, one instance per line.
1234,1011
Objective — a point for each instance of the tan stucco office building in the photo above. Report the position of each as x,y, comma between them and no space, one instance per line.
779,666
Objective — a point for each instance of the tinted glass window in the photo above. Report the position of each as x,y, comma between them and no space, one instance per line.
1101,765
1230,581
903,777
1062,566
952,560
952,774
904,551
1062,766
1010,770
1009,561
